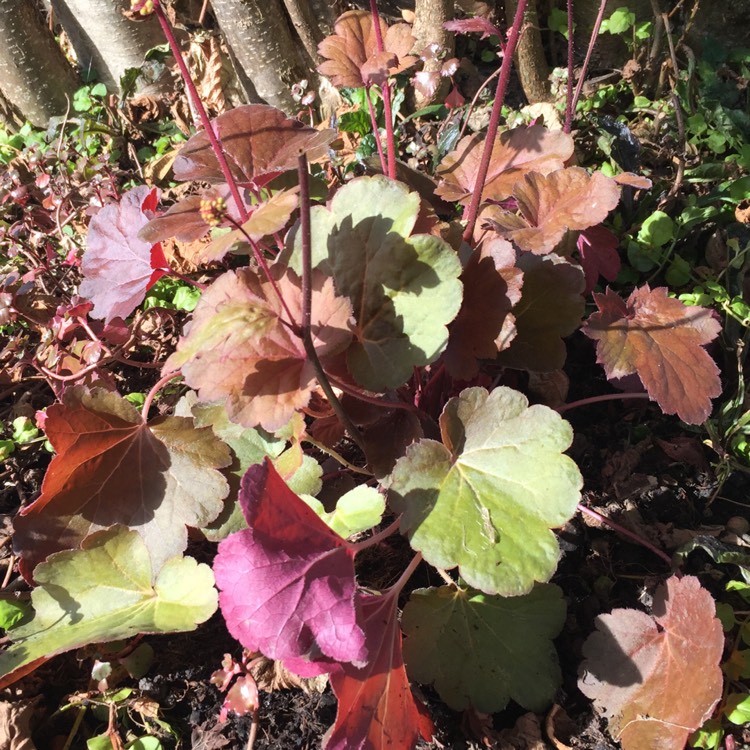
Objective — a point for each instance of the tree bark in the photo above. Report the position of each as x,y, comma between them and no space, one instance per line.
307,28
531,63
263,44
34,74
429,17
104,39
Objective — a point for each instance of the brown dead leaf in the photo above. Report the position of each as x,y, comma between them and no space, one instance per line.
15,732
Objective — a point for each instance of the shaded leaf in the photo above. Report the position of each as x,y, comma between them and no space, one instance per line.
107,590
554,203
112,468
483,651
404,289
656,679
515,152
376,708
478,500
118,267
287,582
597,247
662,342
240,349
350,54
551,307
257,140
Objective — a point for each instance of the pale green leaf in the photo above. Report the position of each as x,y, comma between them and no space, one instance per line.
357,510
106,591
487,498
483,651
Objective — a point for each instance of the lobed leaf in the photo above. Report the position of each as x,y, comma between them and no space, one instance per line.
656,678
483,651
479,501
662,342
107,590
112,468
514,153
376,708
118,267
287,582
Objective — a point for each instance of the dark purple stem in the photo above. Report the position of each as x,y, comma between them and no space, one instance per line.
386,92
598,400
201,110
569,93
472,210
589,51
621,530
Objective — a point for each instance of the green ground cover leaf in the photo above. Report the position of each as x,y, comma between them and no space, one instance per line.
105,591
404,289
483,651
485,499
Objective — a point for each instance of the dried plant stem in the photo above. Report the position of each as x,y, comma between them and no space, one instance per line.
598,400
386,92
201,110
625,532
472,210
587,59
151,395
336,456
304,195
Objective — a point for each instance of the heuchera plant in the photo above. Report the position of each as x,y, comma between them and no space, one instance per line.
365,333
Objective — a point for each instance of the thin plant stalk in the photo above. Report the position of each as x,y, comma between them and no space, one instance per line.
386,92
569,91
304,199
201,110
598,400
376,130
587,59
154,390
472,210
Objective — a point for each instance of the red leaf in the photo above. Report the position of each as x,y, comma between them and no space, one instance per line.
112,468
661,340
657,678
597,247
287,582
118,267
376,706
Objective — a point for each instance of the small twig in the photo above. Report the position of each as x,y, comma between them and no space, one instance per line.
202,15
9,571
335,455
683,146
599,399
589,51
625,532
253,730
154,390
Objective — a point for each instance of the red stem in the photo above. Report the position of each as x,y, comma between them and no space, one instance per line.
569,93
151,395
472,210
201,110
376,538
598,399
376,131
384,403
587,60
386,92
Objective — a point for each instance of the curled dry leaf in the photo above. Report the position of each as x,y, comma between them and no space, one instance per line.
662,342
351,54
514,153
656,678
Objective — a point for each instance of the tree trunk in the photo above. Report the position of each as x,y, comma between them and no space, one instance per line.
34,74
307,28
104,39
533,70
430,15
265,48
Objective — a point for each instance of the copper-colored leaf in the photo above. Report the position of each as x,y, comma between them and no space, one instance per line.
662,342
349,50
113,468
656,678
550,205
514,153
256,139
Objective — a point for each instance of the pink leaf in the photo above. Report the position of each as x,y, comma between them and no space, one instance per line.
287,583
478,24
118,267
597,247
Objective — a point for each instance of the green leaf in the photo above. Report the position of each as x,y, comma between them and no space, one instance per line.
737,708
12,612
709,736
186,298
24,430
404,289
656,230
486,499
619,22
106,591
558,21
357,510
6,448
145,743
483,651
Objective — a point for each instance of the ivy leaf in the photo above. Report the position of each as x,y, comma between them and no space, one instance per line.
662,341
551,308
107,590
351,51
483,651
656,679
404,289
597,247
376,708
287,582
240,348
112,468
118,267
514,153
552,204
256,139
479,501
